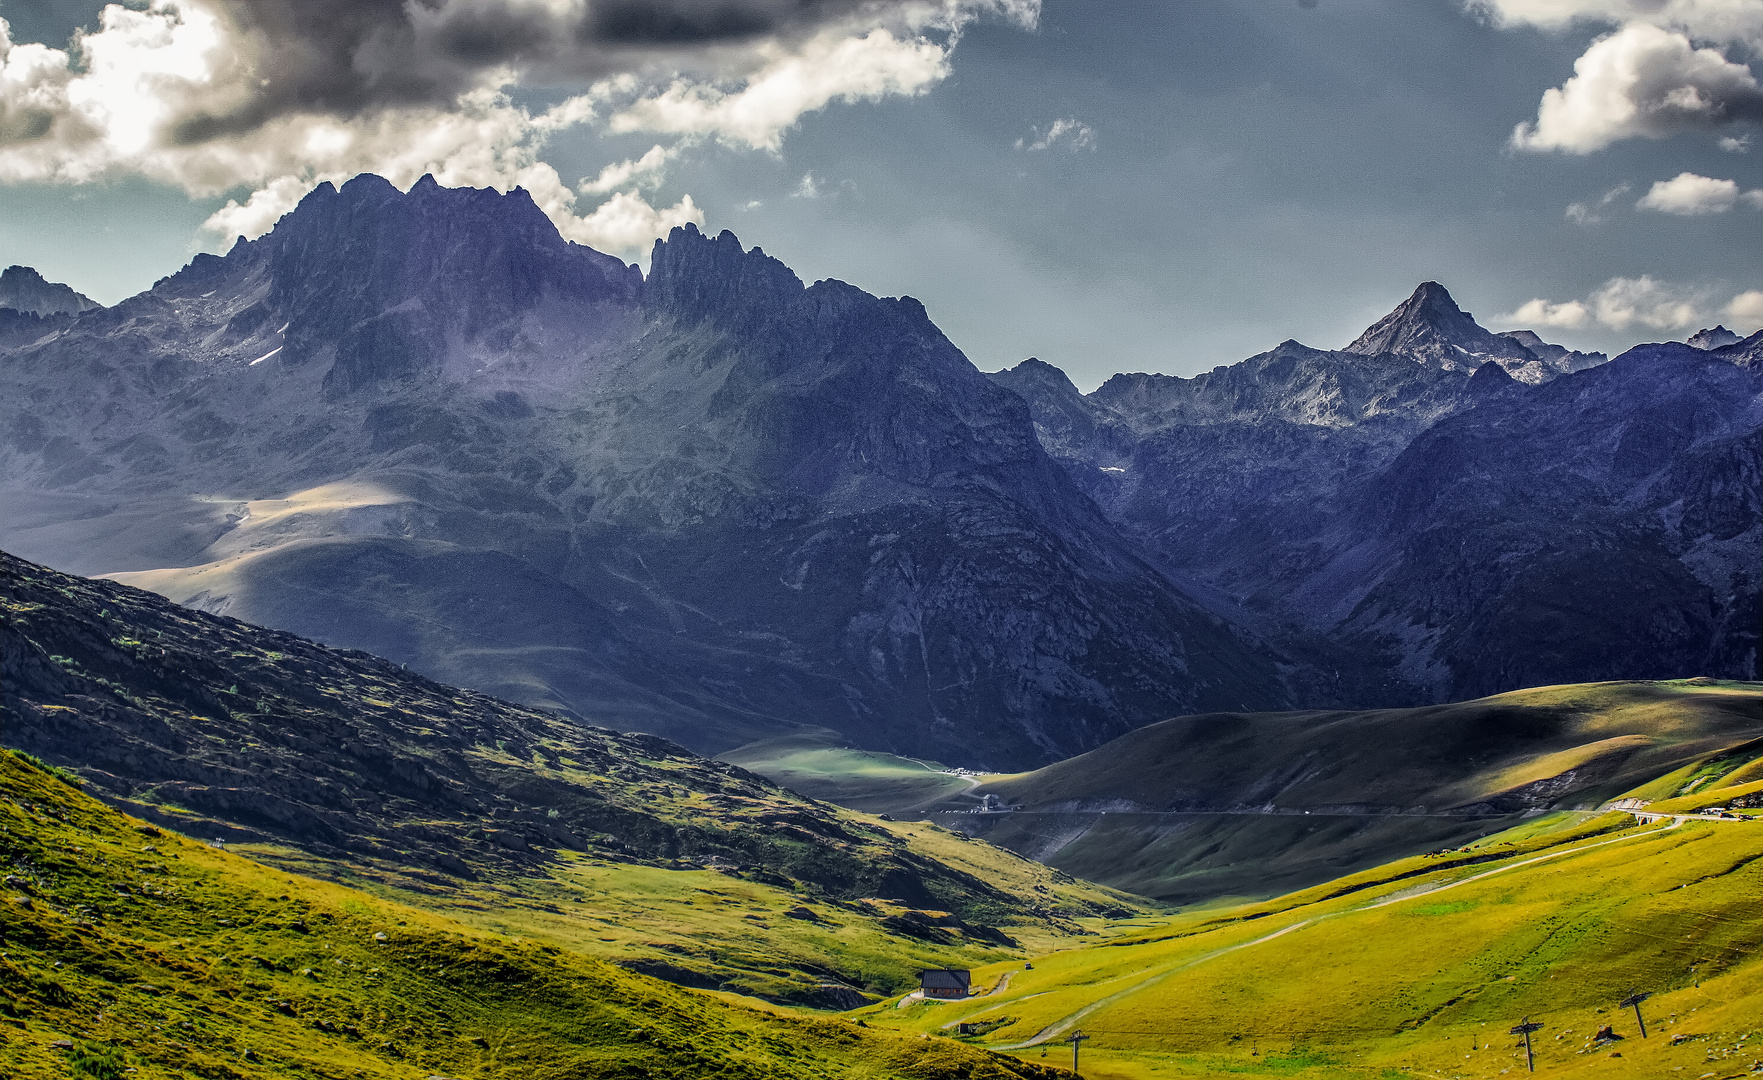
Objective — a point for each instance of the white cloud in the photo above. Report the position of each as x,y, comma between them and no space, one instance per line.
274,96
1531,314
1745,312
807,189
1074,133
1689,195
1618,304
1736,145
830,67
1712,20
1595,211
625,222
644,170
1737,22
1622,302
1642,81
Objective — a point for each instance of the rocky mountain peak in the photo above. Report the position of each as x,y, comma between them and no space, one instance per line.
702,276
22,288
1429,327
1037,372
1552,359
1712,338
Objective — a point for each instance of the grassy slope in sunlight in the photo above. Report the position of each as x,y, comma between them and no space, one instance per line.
1422,966
126,948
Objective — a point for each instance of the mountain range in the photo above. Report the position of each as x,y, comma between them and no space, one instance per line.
717,504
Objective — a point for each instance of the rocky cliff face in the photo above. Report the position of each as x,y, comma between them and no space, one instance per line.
715,504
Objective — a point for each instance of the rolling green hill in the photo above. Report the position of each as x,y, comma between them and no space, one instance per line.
1204,808
128,951
1419,968
341,765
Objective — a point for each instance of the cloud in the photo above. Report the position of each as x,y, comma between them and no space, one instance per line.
1534,313
1641,81
1074,133
831,67
646,169
1745,312
1596,212
625,222
1619,304
1708,20
1735,145
1622,302
1689,195
273,96
807,189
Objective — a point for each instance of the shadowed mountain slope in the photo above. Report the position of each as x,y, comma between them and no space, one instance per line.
1200,807
344,765
714,504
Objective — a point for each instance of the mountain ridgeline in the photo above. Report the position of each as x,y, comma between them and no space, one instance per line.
719,505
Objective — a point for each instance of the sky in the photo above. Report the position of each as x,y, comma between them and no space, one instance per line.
1105,184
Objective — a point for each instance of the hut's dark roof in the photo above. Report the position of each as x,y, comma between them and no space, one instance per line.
945,979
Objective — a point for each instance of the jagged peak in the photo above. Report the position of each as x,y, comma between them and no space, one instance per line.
1714,337
371,196
693,272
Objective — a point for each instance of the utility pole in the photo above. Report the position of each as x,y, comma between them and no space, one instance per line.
1525,1029
1634,1000
1076,1038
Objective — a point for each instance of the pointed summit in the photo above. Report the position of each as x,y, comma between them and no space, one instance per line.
1430,328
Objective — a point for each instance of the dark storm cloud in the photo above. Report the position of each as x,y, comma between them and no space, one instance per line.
347,57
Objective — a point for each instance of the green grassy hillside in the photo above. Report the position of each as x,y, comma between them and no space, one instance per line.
340,765
823,767
1420,967
126,951
1226,805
